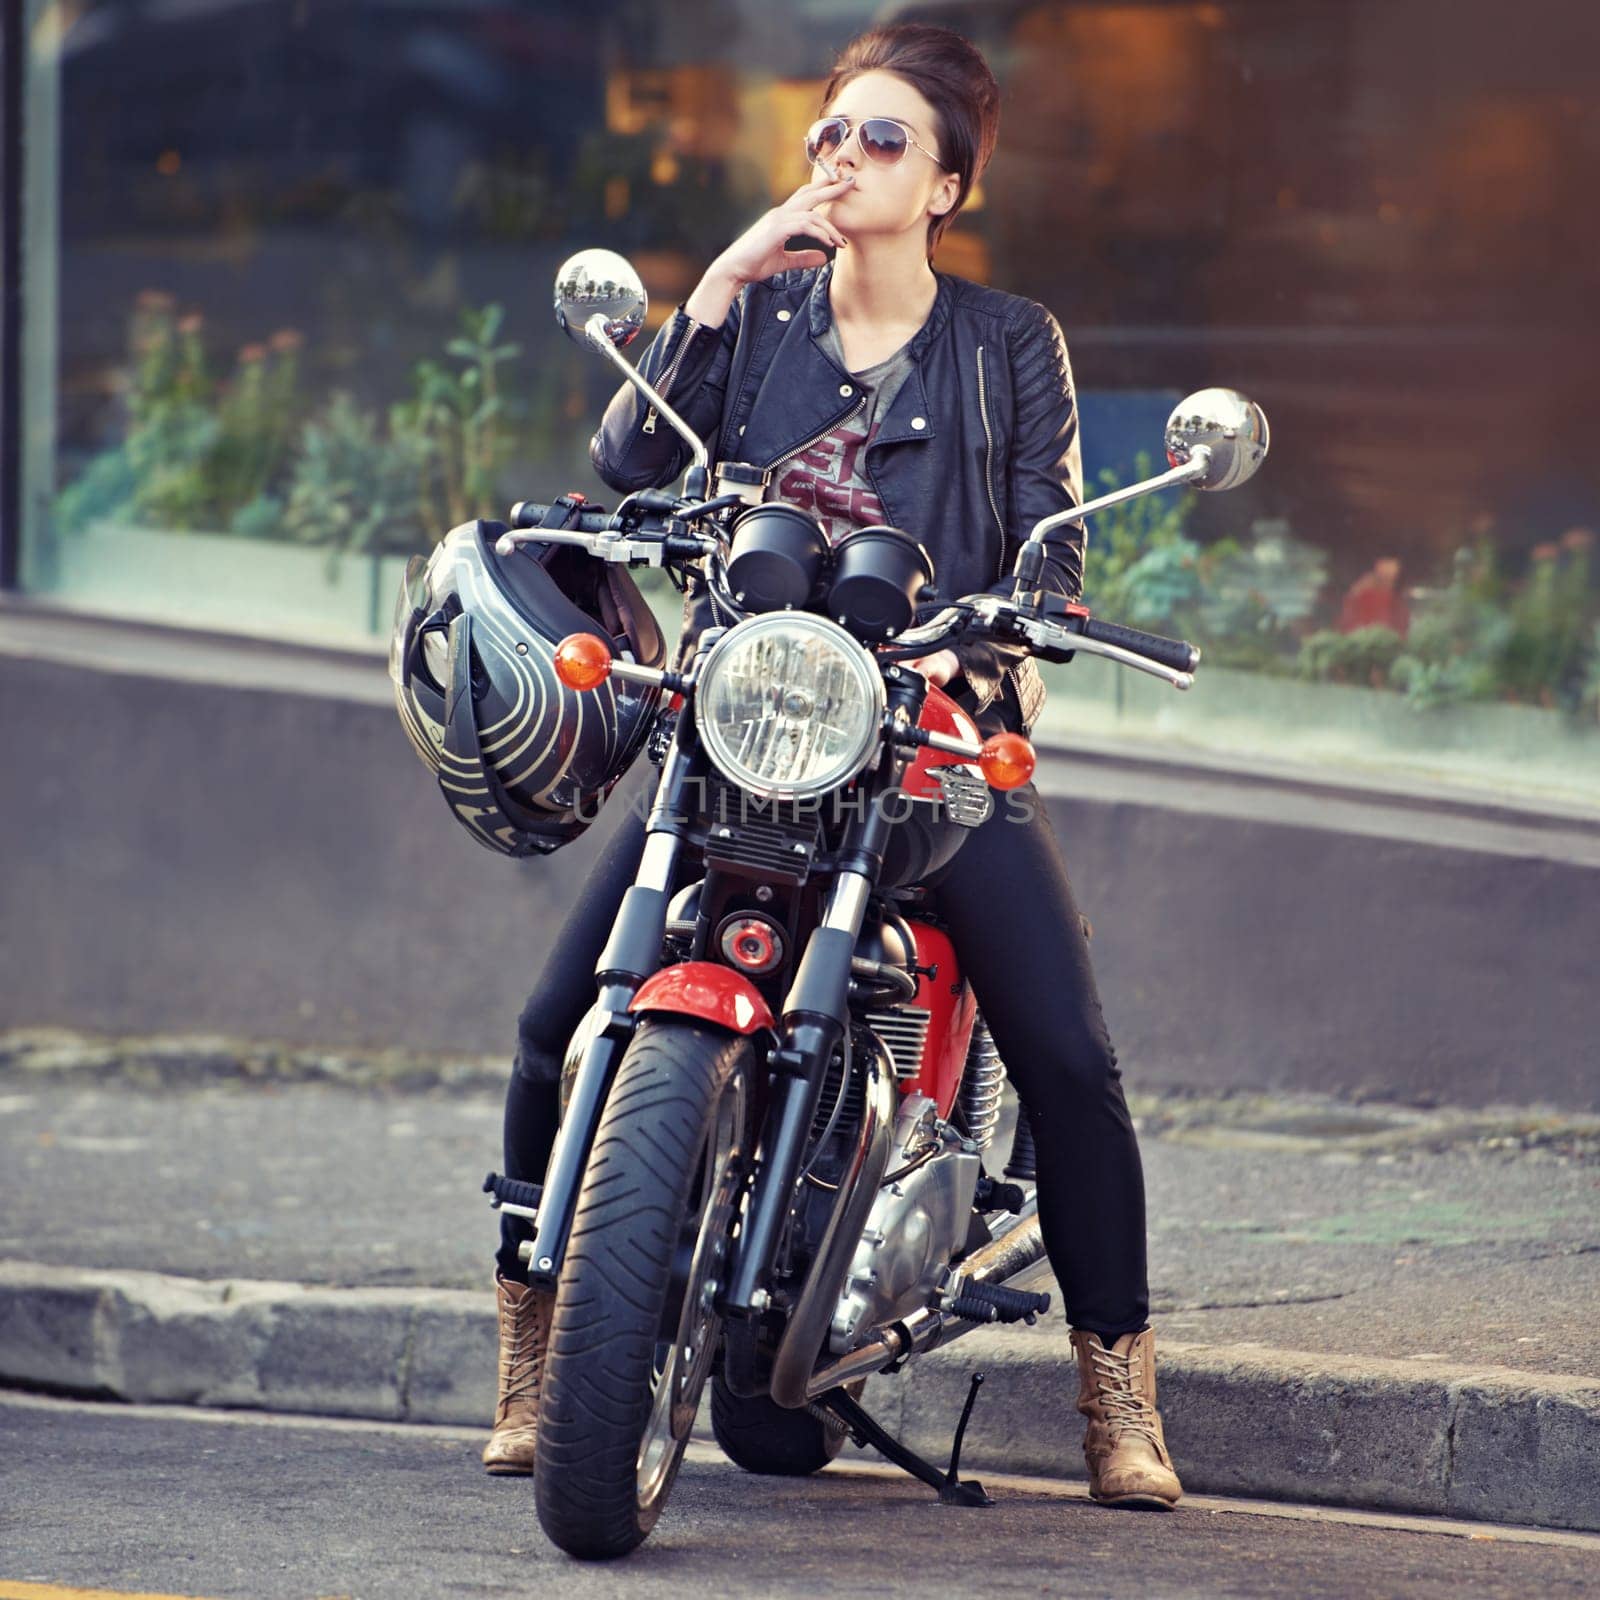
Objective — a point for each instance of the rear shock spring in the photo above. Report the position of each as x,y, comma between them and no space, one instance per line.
983,1081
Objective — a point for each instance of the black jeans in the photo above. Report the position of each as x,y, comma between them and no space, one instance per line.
1015,926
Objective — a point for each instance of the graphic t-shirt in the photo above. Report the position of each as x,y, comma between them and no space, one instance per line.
829,478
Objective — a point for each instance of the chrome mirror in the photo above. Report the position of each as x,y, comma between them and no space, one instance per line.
1216,439
600,297
600,302
1226,423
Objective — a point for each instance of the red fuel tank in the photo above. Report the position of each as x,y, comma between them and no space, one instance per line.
948,1000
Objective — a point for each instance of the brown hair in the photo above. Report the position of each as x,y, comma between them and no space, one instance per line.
949,72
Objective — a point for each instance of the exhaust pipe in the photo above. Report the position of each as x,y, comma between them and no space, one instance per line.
807,1332
1014,1259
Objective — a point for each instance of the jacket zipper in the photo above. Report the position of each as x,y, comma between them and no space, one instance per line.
661,388
988,455
789,455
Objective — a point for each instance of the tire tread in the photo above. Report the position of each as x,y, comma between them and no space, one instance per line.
595,1397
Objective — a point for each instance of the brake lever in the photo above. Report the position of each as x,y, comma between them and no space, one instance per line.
1042,633
614,545
513,539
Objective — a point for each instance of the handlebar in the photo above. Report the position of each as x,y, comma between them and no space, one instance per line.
1175,653
529,515
1046,634
1132,646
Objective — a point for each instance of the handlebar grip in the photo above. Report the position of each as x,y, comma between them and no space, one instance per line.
1174,653
530,514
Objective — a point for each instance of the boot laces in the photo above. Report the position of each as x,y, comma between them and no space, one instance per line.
521,1353
1124,1403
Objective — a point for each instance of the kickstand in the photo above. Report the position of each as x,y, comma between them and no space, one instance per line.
865,1431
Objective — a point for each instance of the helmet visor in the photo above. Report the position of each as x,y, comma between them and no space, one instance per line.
410,607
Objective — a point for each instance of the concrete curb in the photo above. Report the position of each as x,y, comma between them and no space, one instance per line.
413,1355
1488,1443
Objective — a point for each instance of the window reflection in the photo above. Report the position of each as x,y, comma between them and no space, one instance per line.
305,250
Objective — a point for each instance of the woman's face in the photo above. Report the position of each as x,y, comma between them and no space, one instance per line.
888,199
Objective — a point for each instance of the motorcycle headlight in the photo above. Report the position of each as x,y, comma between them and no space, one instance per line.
789,705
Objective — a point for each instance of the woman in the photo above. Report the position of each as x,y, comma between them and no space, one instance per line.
873,390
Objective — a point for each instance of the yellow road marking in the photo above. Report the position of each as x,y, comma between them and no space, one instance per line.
11,1589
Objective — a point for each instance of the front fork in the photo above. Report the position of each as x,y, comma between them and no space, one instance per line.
631,954
815,1011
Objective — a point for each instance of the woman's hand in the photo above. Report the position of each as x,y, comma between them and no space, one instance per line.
759,251
939,668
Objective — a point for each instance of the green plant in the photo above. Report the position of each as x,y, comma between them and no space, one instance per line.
158,469
466,420
261,518
355,488
1362,656
240,454
1254,595
106,484
1546,654
1451,681
1452,652
168,455
1139,566
255,420
1241,600
1591,685
196,450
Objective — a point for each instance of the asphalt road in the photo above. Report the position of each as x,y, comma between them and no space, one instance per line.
1304,1225
211,1504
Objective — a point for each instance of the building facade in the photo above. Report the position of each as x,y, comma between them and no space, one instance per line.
275,314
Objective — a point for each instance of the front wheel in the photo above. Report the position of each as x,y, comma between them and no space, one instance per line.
634,1329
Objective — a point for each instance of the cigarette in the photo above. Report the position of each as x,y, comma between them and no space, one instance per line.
833,174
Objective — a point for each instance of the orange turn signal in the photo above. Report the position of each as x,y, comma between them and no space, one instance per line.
1006,760
583,661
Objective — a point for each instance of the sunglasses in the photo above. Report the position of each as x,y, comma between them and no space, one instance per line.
882,139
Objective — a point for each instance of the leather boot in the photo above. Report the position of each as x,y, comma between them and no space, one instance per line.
1124,1445
525,1315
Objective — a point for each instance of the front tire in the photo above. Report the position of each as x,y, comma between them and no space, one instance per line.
634,1332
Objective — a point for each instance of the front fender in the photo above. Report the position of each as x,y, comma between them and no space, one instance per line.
707,990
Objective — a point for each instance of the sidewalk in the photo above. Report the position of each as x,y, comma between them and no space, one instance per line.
1357,1304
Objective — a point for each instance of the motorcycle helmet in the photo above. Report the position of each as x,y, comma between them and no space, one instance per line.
523,762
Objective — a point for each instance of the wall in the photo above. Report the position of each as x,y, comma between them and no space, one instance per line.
213,836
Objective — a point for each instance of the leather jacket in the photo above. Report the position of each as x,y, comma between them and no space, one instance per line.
980,442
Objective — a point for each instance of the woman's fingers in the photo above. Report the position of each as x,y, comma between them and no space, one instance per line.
939,668
820,189
763,248
817,225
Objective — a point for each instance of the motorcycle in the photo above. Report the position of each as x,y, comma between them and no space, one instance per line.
770,1172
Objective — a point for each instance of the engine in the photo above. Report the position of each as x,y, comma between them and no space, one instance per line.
923,1211
922,1215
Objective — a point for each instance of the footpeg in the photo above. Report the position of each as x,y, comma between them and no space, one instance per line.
512,1194
993,1195
993,1302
